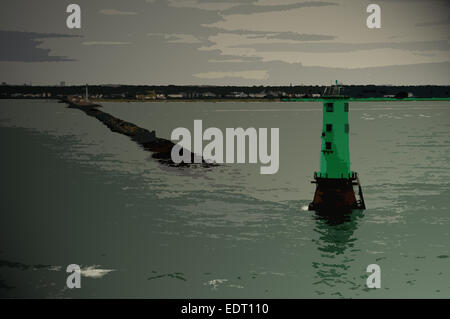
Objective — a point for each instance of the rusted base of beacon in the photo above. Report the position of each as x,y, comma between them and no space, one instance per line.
336,195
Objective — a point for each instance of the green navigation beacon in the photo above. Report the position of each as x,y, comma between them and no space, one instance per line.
335,181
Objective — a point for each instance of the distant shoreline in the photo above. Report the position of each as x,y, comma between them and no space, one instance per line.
237,100
215,94
186,100
270,100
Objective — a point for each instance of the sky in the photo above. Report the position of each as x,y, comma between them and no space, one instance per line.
223,42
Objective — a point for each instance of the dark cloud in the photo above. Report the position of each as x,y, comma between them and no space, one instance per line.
281,73
158,16
275,35
348,47
434,23
301,37
225,58
168,43
251,8
23,47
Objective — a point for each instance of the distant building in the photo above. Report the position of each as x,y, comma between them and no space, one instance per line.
175,96
276,93
238,95
191,95
151,95
118,95
208,95
4,84
259,95
62,83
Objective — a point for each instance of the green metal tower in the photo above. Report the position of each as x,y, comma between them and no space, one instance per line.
335,180
335,153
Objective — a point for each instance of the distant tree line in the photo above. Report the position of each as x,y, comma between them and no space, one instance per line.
196,92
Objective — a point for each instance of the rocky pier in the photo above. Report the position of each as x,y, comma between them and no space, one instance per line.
161,148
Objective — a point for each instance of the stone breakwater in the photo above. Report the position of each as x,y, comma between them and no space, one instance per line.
161,148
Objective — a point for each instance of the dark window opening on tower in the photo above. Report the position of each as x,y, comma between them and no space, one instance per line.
347,128
329,127
328,145
329,107
345,107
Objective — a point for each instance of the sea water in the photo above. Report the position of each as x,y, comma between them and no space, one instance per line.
73,192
